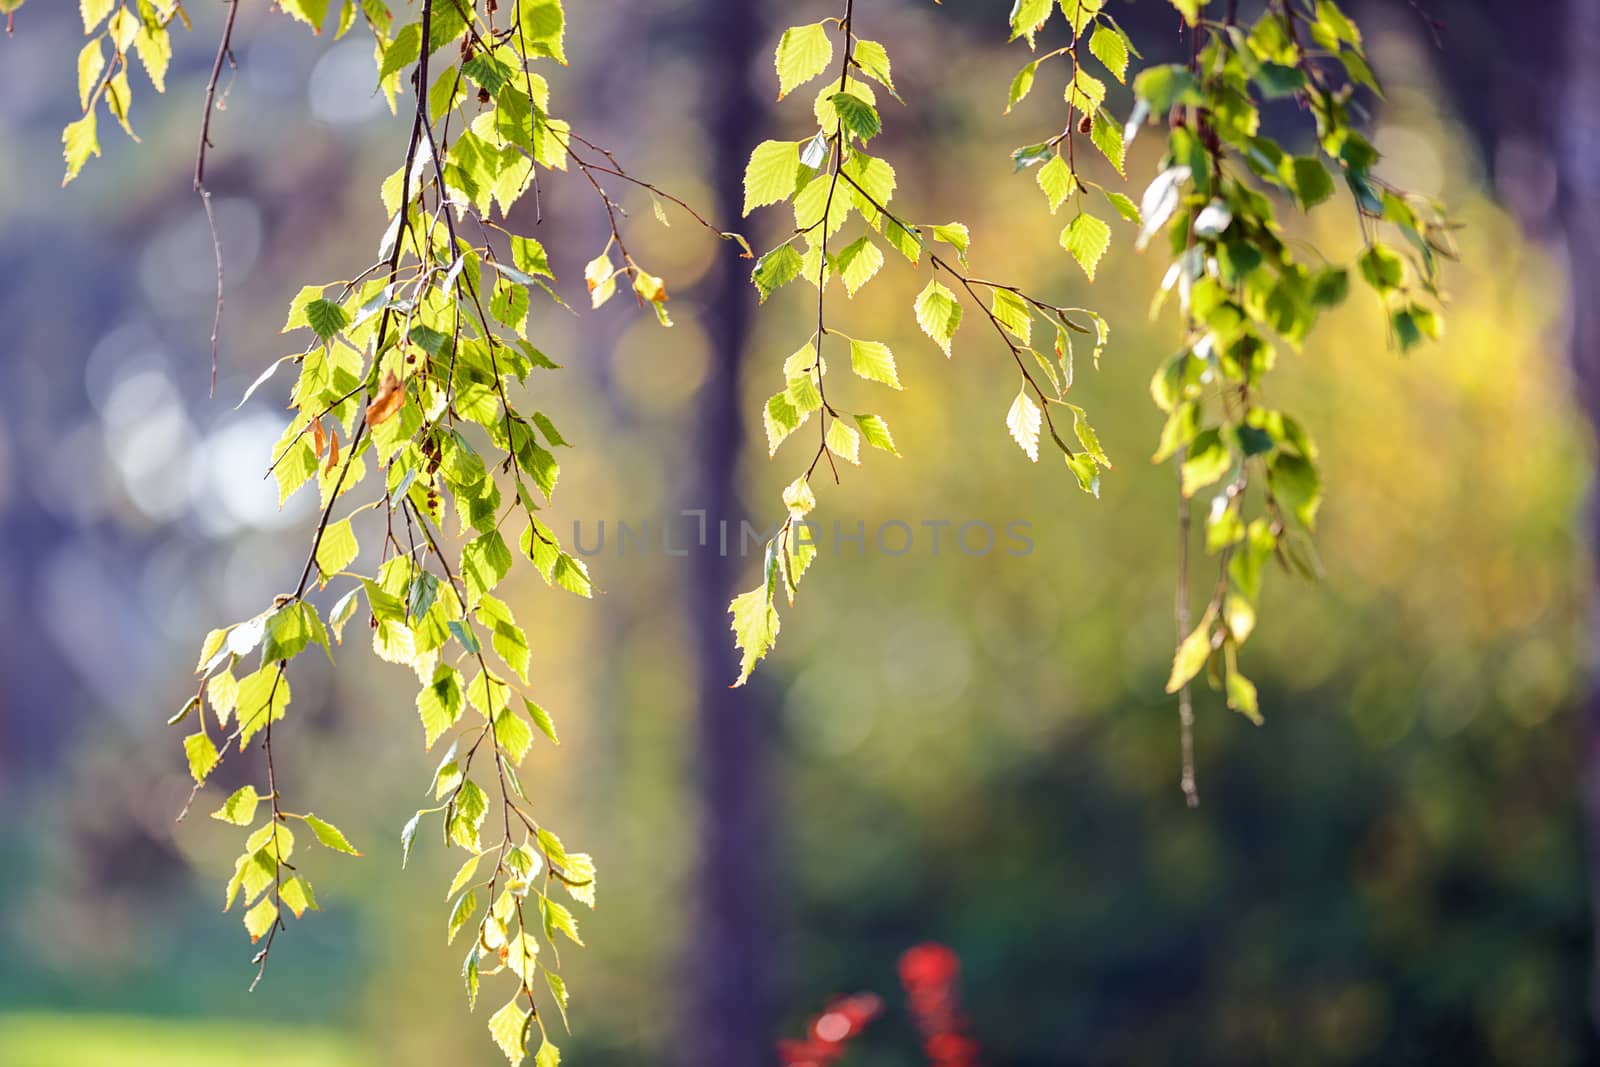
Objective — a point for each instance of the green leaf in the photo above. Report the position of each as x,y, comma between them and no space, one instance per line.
957,236
1242,697
509,639
1163,87
485,561
541,719
1109,48
1056,182
488,694
1087,238
330,835
1277,81
240,808
259,919
94,12
440,702
263,698
1027,16
558,993
290,629
463,876
509,1028
1123,206
777,268
542,27
557,919
91,64
1087,437
755,628
529,256
1331,287
1189,9
513,734
803,53
1107,137
874,361
548,1055
858,116
1312,183
1021,85
79,141
326,318
772,175
781,418
310,12
1297,485
1206,461
1085,93
297,896
843,441
203,757
1031,155
876,433
274,838
939,314
1191,655
873,59
337,549
210,649
465,907
471,805
1011,311
1382,267
858,263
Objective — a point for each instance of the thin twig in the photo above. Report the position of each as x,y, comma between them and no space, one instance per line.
224,54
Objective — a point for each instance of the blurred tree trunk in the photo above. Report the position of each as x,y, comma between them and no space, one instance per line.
1578,143
731,946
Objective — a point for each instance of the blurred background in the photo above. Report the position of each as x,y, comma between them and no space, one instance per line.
973,749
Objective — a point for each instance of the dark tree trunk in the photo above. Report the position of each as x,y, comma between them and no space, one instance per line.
730,1008
1578,142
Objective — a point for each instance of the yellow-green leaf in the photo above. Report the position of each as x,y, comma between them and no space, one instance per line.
874,361
1056,181
240,808
876,433
79,140
310,12
755,628
803,53
337,548
513,734
1191,655
1087,238
939,314
202,755
844,442
542,720
94,12
259,919
509,1028
297,896
91,64
330,835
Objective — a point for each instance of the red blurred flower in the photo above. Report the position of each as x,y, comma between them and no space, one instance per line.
929,964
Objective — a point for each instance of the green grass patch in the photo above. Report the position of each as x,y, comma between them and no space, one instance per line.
49,1040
